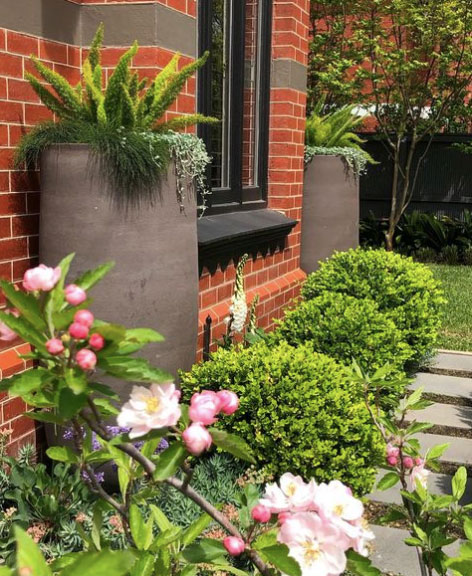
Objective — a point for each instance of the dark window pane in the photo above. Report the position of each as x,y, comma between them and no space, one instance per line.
219,92
251,88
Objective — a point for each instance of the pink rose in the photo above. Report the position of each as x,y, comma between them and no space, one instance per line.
234,545
75,295
84,317
229,401
197,439
55,346
6,333
86,359
283,517
419,462
204,407
41,278
260,513
97,342
78,331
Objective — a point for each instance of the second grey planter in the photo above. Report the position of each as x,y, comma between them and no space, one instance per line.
330,212
155,281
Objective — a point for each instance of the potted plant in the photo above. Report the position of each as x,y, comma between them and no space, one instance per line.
118,183
334,160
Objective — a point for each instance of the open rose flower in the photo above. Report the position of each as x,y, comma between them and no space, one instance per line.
335,502
41,278
418,474
316,544
150,408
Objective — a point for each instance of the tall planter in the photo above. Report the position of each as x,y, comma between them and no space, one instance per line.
155,281
330,212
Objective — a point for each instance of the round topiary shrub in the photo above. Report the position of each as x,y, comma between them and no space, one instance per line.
346,328
405,291
299,412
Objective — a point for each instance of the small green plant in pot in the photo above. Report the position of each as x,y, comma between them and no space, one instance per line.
122,121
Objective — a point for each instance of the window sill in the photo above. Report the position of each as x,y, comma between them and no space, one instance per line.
226,237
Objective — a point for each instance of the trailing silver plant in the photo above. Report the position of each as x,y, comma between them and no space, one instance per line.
356,160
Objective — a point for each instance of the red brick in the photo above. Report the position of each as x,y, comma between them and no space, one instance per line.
11,65
180,5
25,225
21,90
5,228
4,183
13,407
5,271
35,113
53,51
20,267
3,88
6,158
33,202
13,248
25,181
11,112
33,246
21,44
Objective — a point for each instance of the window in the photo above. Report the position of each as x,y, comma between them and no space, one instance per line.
234,86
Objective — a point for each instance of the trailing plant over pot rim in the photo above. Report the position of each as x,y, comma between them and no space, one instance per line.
122,122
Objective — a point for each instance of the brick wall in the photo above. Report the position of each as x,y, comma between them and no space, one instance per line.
275,277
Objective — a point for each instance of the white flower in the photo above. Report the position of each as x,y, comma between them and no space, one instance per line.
150,408
418,474
336,502
293,494
239,311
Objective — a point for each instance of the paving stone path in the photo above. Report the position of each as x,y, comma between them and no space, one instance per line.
448,383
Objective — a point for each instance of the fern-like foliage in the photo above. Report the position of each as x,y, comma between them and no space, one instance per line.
115,119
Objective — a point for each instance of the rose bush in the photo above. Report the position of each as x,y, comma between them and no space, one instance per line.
66,390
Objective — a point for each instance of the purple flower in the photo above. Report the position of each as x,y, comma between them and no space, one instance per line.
99,476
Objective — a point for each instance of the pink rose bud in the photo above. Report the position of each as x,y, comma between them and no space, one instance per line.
282,517
408,462
86,359
41,278
419,462
78,331
6,333
84,317
234,545
204,407
97,342
261,513
75,295
229,401
393,450
197,439
392,460
55,346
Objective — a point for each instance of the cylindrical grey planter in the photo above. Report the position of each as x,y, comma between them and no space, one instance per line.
155,281
330,212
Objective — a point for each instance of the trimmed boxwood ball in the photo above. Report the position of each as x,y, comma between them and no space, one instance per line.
345,328
299,412
405,291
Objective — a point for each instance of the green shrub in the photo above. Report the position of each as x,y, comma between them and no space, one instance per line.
405,291
346,328
299,412
450,255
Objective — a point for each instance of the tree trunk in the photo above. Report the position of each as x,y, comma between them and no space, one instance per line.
393,217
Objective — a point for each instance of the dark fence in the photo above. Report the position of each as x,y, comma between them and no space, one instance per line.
444,184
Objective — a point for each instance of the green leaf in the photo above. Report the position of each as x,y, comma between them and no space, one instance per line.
232,444
195,529
206,550
459,482
387,481
26,381
414,397
29,559
278,556
111,332
417,427
62,454
437,451
76,380
132,369
468,527
49,417
136,338
70,403
163,523
27,332
359,565
27,305
141,531
103,563
92,277
144,566
170,461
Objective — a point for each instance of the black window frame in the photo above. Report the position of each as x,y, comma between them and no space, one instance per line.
235,196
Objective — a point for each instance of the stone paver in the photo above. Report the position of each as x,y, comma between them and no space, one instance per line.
437,483
444,415
459,451
392,555
450,361
444,385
